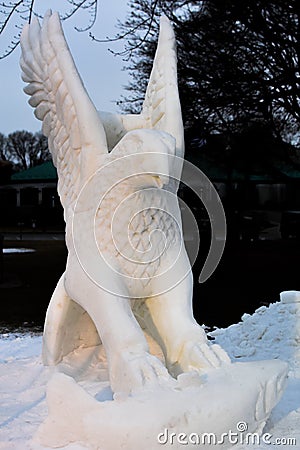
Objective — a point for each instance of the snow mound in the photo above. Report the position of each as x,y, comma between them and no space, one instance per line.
270,333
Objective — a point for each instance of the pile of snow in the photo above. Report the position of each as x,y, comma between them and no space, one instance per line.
270,333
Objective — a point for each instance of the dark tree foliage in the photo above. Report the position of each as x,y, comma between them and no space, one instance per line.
238,63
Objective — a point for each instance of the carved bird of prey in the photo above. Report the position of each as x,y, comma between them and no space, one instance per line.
117,180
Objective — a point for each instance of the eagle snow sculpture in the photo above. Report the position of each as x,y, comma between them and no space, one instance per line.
127,267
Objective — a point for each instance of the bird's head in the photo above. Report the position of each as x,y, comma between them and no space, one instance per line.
154,151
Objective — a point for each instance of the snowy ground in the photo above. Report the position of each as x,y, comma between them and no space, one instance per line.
18,250
272,332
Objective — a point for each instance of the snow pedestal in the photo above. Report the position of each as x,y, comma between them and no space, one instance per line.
218,408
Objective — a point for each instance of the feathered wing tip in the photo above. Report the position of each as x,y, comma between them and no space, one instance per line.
70,121
161,107
166,33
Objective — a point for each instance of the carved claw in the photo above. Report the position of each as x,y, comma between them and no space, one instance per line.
200,356
133,371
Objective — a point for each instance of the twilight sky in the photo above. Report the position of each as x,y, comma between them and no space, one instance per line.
100,70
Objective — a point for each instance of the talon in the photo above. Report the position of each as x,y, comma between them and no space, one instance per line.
210,355
199,356
141,371
221,354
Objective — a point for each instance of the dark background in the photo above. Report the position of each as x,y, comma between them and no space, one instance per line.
251,273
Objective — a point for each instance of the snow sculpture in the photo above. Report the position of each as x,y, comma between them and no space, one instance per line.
80,140
127,267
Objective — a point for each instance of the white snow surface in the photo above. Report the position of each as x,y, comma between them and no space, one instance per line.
270,333
18,250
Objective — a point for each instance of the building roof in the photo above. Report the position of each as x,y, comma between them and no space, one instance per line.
277,171
45,171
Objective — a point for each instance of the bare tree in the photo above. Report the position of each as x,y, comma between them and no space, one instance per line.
3,140
238,63
26,149
15,13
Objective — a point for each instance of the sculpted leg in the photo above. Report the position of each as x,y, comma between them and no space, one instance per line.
129,362
67,327
183,340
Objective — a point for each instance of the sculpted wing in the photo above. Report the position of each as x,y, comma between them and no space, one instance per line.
161,108
75,132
